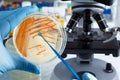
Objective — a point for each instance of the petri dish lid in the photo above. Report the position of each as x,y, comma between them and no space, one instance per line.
31,46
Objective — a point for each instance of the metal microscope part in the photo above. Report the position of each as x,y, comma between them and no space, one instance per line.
106,2
87,21
85,58
97,67
77,45
108,68
81,5
114,31
111,38
100,21
73,21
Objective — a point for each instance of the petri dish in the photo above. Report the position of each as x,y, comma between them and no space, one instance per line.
31,46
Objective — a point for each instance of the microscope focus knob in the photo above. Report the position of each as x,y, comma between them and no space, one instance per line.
108,68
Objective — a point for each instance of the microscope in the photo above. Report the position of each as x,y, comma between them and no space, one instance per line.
86,41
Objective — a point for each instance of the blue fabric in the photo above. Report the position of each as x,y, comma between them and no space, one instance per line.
8,21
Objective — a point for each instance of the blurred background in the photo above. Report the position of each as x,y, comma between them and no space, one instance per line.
61,7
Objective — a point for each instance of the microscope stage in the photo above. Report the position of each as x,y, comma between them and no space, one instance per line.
99,47
78,45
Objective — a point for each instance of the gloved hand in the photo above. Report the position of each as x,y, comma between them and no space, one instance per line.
8,21
88,76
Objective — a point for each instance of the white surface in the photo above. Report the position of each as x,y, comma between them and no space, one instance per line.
48,67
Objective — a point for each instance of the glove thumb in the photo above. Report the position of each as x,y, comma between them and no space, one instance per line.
25,65
88,76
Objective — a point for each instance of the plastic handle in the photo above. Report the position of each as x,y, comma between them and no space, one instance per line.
59,56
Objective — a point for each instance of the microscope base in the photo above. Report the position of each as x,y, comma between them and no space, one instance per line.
96,67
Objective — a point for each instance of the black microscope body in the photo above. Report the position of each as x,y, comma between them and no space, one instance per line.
84,40
87,41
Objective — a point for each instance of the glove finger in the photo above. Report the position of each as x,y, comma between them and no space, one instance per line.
7,63
88,76
5,14
25,65
19,15
14,19
4,29
13,62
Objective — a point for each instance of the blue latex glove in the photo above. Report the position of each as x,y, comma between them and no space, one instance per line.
88,76
8,21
